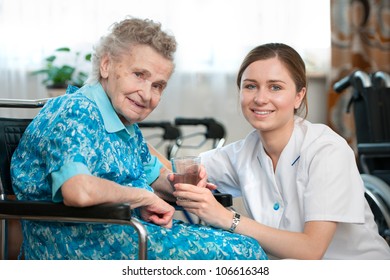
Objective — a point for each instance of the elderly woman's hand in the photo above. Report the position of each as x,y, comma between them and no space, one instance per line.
158,212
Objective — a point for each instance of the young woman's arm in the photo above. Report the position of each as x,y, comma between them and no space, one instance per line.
312,243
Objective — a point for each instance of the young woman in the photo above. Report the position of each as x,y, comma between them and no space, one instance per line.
299,181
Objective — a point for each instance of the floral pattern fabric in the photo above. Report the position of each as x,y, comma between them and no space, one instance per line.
70,130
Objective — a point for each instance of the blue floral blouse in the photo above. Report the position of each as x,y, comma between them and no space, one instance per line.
80,133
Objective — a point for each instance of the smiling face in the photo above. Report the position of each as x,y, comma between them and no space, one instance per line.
268,97
134,82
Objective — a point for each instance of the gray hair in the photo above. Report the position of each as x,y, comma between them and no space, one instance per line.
128,33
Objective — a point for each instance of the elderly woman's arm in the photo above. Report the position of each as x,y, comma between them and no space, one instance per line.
87,190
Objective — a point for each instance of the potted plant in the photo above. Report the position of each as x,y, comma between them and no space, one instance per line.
58,76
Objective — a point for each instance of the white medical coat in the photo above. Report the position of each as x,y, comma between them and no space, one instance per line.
316,179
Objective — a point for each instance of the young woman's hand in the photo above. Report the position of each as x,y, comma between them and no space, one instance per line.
202,179
201,202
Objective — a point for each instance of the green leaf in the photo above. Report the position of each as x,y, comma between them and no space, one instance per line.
88,57
63,49
41,71
62,75
51,58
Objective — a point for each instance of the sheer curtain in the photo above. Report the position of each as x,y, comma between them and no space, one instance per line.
360,41
213,37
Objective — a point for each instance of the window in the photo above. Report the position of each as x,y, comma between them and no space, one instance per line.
213,35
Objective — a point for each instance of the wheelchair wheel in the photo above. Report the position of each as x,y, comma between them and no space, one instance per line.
377,194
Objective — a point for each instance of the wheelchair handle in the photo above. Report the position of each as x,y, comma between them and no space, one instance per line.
357,79
23,103
191,121
342,84
170,132
215,130
381,79
161,124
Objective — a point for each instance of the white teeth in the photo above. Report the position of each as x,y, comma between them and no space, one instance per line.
263,112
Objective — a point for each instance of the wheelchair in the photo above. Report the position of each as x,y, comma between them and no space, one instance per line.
161,134
202,133
370,101
11,130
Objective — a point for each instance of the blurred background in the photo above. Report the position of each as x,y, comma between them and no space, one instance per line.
333,37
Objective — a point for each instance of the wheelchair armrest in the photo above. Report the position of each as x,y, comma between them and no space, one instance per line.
225,199
31,209
374,149
118,213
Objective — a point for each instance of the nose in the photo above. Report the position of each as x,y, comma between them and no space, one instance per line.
145,90
261,96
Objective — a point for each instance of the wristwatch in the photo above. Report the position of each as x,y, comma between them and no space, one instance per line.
235,222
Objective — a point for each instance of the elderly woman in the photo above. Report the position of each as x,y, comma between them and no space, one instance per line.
85,148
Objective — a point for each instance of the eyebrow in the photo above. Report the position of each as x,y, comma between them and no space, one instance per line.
276,81
143,71
250,80
268,81
148,74
163,82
